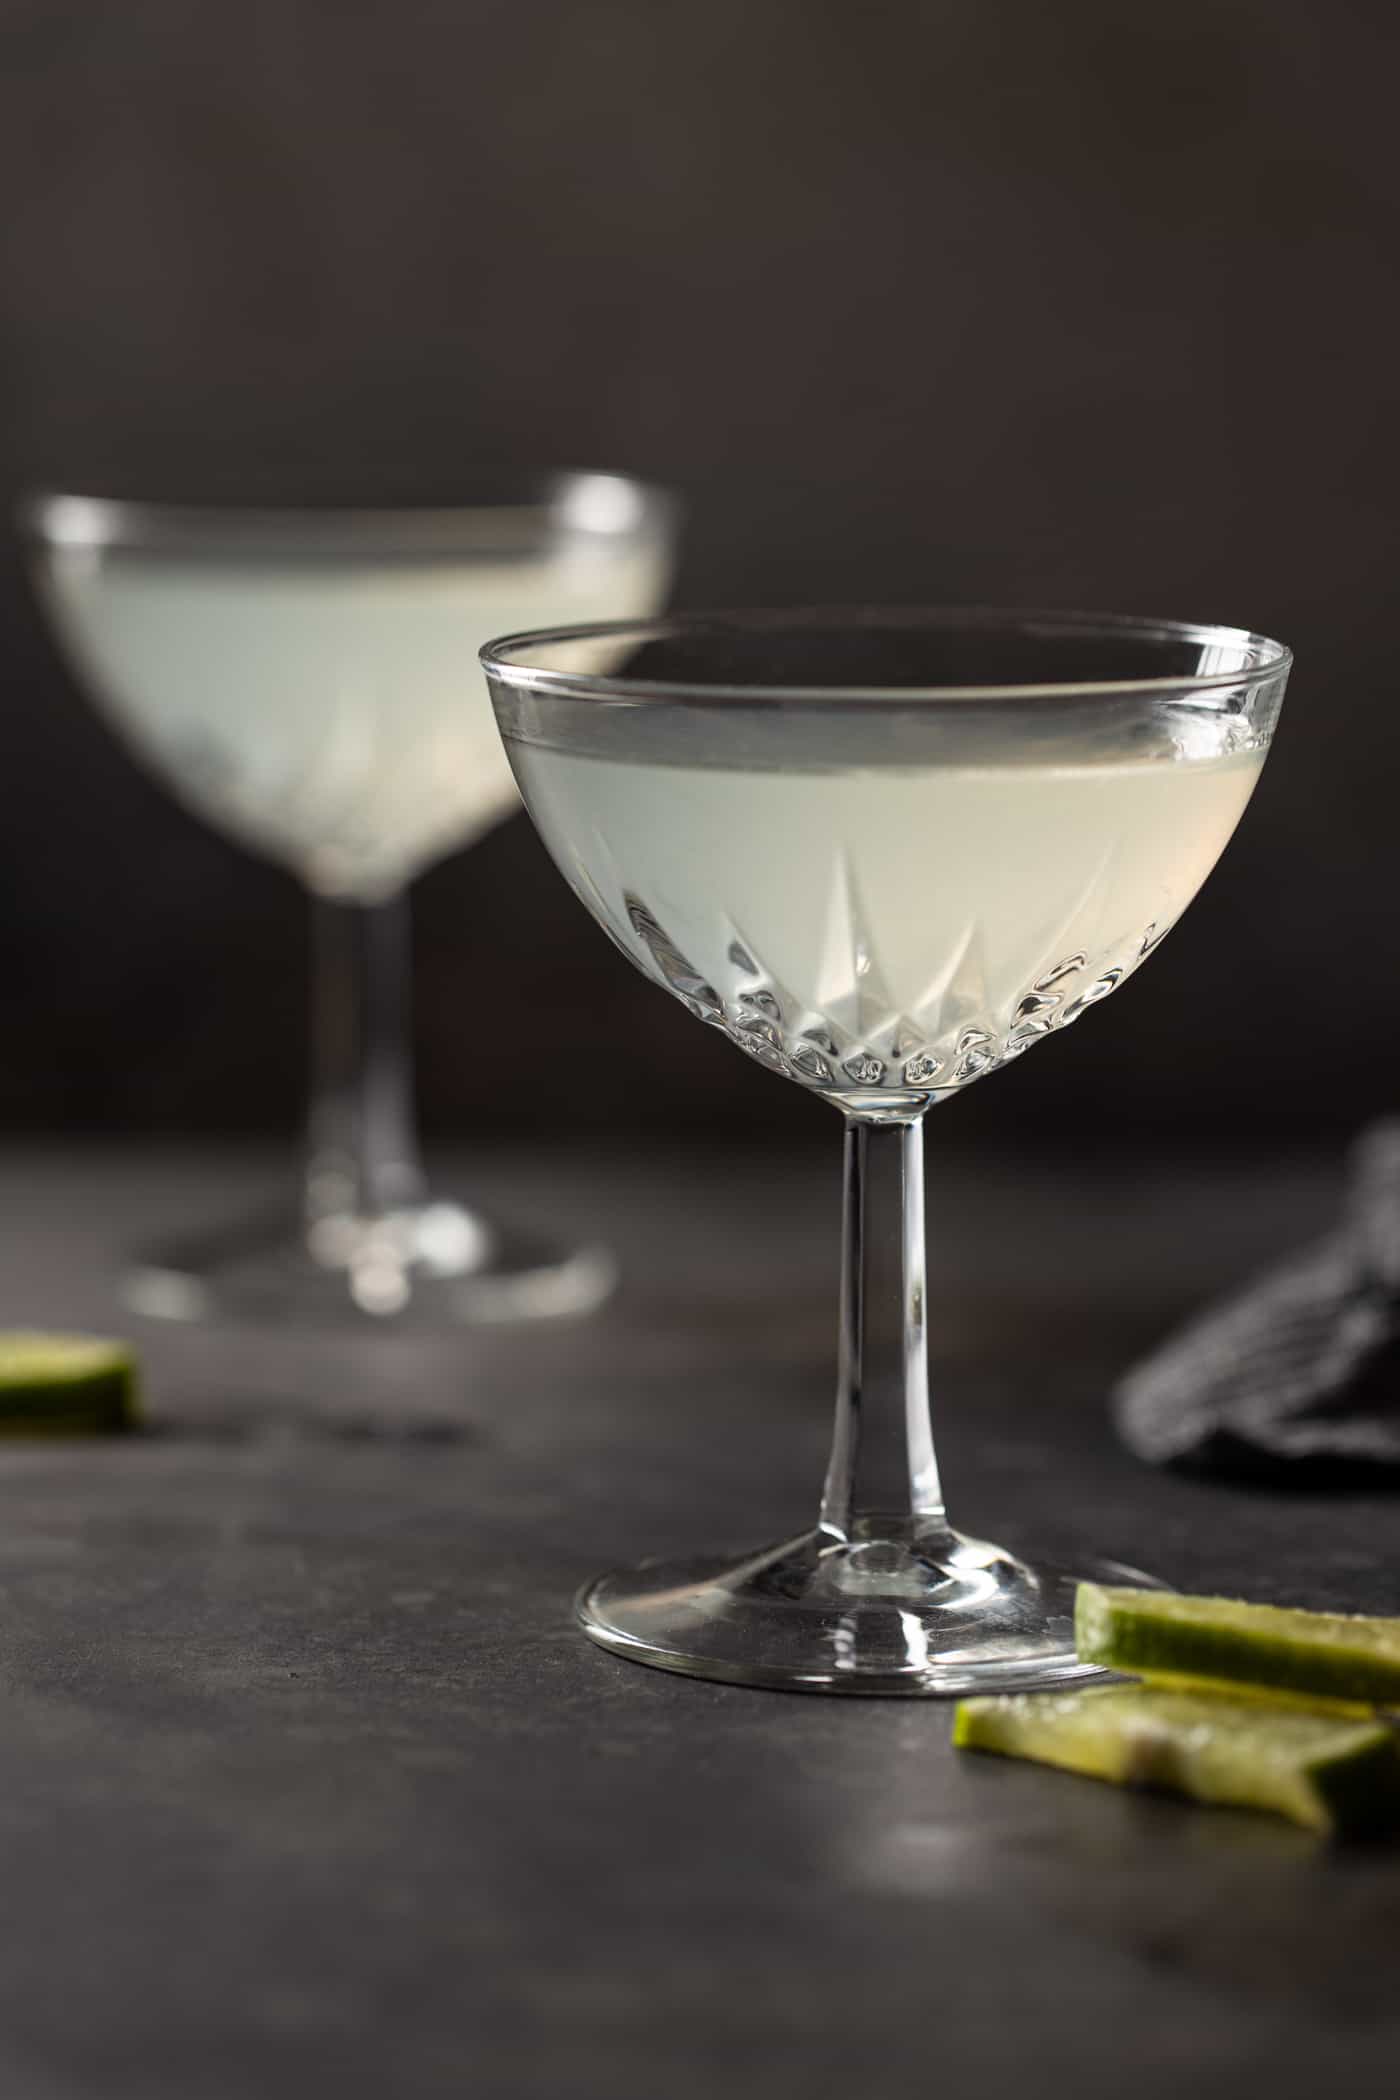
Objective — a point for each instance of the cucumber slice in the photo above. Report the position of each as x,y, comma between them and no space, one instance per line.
1332,1775
66,1385
1216,1641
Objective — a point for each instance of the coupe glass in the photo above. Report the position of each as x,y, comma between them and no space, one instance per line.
886,853
303,680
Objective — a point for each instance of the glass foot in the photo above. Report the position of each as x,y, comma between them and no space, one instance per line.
882,1614
435,1265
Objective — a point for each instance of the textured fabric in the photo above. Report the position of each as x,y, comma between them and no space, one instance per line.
1299,1375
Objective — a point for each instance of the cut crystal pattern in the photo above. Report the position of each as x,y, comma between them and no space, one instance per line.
1022,1037
1060,970
850,990
763,1003
1099,989
1036,1003
808,1063
977,1053
680,975
761,1040
855,1035
921,1069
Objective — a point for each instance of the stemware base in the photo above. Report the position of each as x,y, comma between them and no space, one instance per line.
434,1264
897,1611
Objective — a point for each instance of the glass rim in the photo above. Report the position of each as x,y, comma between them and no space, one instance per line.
504,659
604,503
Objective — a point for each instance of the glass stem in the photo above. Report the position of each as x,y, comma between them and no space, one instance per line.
883,1477
362,1151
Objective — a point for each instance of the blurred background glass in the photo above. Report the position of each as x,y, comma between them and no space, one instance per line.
301,679
926,305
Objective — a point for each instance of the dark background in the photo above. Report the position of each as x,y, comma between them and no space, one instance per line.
976,301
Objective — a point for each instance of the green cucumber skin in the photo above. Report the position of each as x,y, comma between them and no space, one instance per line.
97,1405
1122,1639
1348,1791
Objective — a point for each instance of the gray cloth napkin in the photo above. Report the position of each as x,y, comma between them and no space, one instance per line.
1297,1377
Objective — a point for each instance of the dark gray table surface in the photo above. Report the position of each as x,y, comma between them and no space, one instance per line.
307,1786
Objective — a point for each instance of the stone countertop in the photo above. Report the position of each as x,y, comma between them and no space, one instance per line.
307,1785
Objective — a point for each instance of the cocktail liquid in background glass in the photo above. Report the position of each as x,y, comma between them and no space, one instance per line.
323,706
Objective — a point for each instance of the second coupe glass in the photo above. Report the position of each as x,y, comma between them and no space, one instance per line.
305,680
